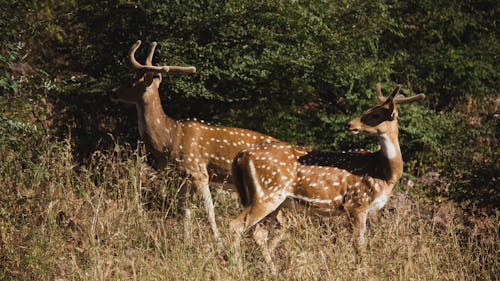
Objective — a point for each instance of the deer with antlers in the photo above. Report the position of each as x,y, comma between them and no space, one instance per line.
355,183
196,148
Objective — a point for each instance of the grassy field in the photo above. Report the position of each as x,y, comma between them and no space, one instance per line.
78,200
115,219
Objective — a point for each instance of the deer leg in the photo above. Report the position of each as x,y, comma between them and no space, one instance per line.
204,189
274,225
184,196
250,216
269,235
260,235
359,229
237,226
280,220
199,175
254,213
241,223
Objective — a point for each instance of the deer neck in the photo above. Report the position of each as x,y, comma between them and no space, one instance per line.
391,157
155,127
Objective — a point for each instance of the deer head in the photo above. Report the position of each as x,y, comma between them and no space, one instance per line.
147,78
381,118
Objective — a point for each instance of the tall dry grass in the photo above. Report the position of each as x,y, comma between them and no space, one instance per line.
114,219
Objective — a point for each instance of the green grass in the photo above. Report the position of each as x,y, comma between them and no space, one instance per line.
115,219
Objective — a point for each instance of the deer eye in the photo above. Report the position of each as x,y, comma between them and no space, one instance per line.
375,116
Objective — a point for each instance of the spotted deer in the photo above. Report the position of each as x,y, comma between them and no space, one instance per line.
196,148
354,182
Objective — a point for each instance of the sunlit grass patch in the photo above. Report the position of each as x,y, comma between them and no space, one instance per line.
116,219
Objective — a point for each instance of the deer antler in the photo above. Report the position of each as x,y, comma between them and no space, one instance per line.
394,92
380,96
149,65
137,65
149,59
401,99
390,99
184,69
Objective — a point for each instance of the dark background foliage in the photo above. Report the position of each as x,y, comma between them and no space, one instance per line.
297,70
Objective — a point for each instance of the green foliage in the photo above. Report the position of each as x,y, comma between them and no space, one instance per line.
9,83
447,49
265,56
462,151
297,70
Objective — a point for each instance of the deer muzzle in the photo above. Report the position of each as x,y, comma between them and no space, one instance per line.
351,128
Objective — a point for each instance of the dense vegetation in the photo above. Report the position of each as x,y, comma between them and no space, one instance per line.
297,70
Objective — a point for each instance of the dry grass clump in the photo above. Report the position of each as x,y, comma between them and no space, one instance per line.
115,219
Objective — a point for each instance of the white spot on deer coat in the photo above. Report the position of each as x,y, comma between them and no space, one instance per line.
337,198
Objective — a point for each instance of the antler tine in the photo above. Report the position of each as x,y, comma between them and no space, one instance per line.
402,99
394,92
149,59
137,65
183,69
131,54
380,96
170,68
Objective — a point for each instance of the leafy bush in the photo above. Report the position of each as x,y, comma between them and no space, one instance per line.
445,48
297,70
265,56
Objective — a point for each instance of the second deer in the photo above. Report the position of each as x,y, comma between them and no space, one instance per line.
196,148
356,182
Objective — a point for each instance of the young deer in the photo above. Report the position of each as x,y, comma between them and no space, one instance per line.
197,149
356,182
